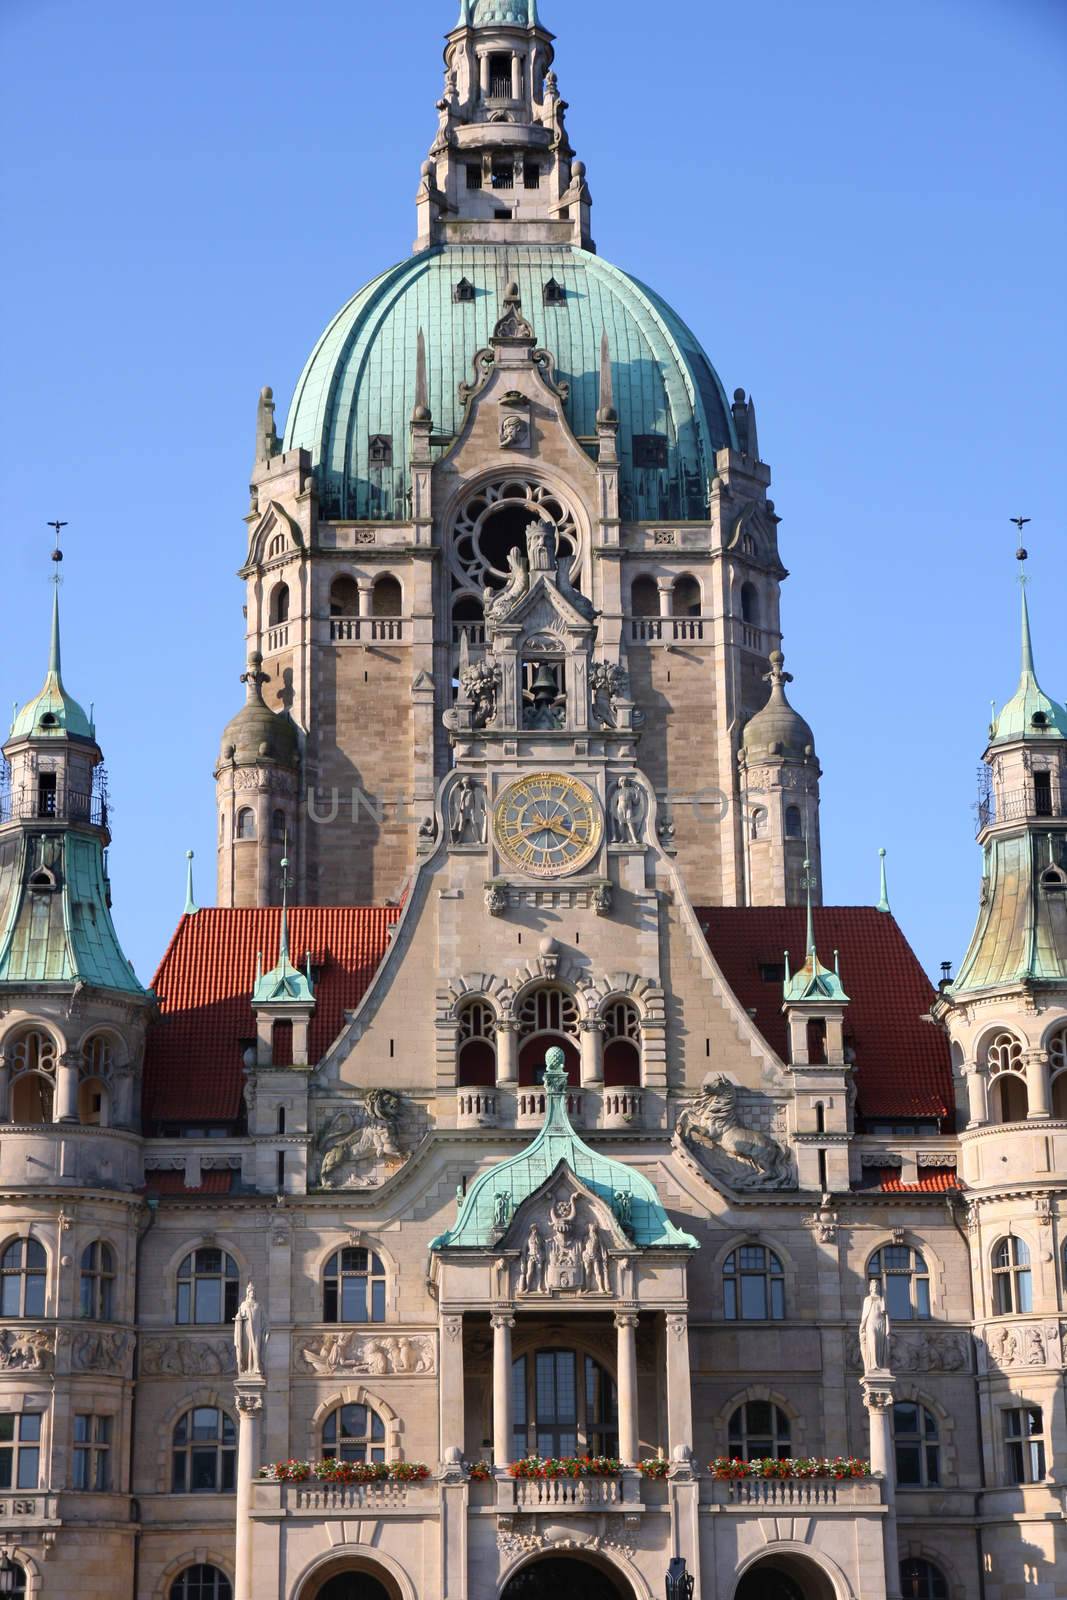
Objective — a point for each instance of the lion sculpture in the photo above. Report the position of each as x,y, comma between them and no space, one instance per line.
712,1122
356,1140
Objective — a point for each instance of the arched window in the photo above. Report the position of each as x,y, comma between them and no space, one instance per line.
644,597
921,1580
622,1046
344,597
203,1452
23,1279
548,1016
387,598
246,823
750,611
905,1281
794,823
353,1433
14,1574
686,598
279,605
918,1447
201,1583
97,1295
33,1075
753,1285
281,1042
1004,1062
96,1067
209,1288
477,1046
353,1287
759,1429
563,1404
1012,1281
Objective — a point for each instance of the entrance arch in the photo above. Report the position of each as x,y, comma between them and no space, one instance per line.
566,1578
352,1577
786,1576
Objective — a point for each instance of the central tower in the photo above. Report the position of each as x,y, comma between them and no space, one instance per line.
506,381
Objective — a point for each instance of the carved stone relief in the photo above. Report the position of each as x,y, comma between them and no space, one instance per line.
468,814
1014,1345
25,1350
563,1251
918,1352
101,1352
378,1357
355,1141
188,1358
742,1156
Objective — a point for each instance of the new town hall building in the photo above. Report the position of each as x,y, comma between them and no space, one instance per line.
518,755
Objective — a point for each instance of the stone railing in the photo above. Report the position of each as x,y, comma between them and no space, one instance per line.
757,1493
530,1107
361,630
622,1108
568,1494
277,639
667,630
314,1499
476,1108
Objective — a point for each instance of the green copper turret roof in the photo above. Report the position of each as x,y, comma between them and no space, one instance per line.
1030,713
284,984
55,922
53,713
523,1175
813,982
1021,934
360,382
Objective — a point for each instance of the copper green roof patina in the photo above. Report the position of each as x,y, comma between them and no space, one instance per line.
55,922
284,984
557,1144
1030,713
53,713
813,982
1021,936
360,383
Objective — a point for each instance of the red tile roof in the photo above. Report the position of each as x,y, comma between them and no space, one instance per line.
939,1180
193,1061
902,1063
174,1183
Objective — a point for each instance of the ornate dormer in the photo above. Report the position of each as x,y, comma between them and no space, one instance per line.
501,166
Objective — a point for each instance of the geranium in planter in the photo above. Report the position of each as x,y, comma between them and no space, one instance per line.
565,1467
409,1471
286,1472
481,1472
654,1467
332,1471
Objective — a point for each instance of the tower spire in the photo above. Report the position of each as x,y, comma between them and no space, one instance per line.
1030,713
883,903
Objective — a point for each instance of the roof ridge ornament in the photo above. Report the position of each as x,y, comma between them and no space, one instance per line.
883,903
512,327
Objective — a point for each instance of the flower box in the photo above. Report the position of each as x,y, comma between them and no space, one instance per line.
654,1467
332,1471
566,1467
836,1467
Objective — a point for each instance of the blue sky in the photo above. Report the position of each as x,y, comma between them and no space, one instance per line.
859,208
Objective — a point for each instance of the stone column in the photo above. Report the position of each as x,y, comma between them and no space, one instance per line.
67,1087
666,595
5,1084
503,1445
1037,1083
592,1039
507,1052
483,67
977,1095
450,1387
878,1388
626,1381
679,1389
249,1400
516,77
365,597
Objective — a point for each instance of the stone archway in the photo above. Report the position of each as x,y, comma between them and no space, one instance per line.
565,1578
785,1577
351,1578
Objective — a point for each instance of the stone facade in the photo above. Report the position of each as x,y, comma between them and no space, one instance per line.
490,1081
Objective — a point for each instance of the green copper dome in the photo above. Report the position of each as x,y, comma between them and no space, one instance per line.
1030,713
53,713
514,11
359,385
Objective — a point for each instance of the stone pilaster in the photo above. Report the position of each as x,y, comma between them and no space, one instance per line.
878,1394
248,1398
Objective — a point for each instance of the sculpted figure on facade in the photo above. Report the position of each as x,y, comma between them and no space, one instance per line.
595,1261
468,813
375,1358
874,1330
357,1140
626,812
187,1358
25,1350
499,604
532,1273
607,682
745,1157
514,432
480,684
250,1335
101,1352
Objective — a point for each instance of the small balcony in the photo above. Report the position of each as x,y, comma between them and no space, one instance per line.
530,1105
1020,805
788,1494
366,630
668,630
277,639
476,1108
622,1108
314,1500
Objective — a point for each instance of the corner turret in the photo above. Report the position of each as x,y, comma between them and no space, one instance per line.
256,794
779,777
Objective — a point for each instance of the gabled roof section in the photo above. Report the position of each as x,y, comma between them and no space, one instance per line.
559,1146
902,1062
194,1069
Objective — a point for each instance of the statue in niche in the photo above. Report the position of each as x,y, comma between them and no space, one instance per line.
468,816
250,1336
532,1274
874,1330
595,1261
606,683
502,1210
625,812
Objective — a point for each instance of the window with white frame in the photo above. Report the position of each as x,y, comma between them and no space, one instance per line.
353,1287
92,1452
23,1279
917,1442
753,1285
1024,1444
20,1450
1012,1280
905,1281
203,1452
97,1287
353,1433
201,1583
760,1429
209,1288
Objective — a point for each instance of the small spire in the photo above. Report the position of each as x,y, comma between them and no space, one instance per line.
883,903
191,907
55,653
421,413
811,914
1028,646
254,678
283,946
606,412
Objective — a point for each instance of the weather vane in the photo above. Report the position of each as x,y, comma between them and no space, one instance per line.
57,554
1020,522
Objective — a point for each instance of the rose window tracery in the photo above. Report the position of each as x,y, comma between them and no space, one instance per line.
493,523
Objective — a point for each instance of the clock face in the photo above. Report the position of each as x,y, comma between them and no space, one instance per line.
548,825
